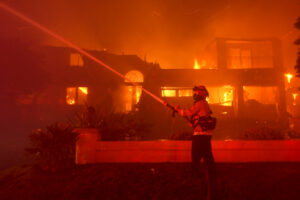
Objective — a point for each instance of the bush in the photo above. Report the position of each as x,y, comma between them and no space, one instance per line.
111,126
87,117
123,126
263,133
53,148
292,134
182,135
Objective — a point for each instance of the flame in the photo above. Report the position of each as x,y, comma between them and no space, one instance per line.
294,98
201,65
138,94
196,65
288,77
227,97
70,101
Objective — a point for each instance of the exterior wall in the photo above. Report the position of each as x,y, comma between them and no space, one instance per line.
90,150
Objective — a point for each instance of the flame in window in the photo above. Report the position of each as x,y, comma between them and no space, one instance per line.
228,96
138,94
76,95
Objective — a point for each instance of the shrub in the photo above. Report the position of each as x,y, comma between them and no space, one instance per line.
292,134
87,117
263,133
182,135
53,148
123,126
111,126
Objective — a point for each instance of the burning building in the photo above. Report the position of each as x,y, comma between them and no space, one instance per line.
244,78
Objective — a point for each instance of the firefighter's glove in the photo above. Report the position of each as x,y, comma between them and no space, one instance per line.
177,108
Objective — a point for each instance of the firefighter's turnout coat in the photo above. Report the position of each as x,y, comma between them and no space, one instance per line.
199,115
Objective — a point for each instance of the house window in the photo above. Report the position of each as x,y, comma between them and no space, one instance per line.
221,95
239,58
185,93
264,95
76,60
168,92
176,92
76,95
134,76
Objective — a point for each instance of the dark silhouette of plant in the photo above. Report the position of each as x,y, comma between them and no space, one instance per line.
182,135
87,117
263,133
53,148
123,126
112,126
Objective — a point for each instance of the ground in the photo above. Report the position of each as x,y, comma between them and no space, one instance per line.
263,181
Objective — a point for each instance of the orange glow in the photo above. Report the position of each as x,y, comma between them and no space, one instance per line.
71,95
128,99
228,96
138,94
134,76
132,97
70,101
76,95
76,59
185,93
201,65
294,98
168,93
264,95
223,95
84,90
196,65
288,77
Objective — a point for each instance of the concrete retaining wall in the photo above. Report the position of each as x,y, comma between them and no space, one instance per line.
90,150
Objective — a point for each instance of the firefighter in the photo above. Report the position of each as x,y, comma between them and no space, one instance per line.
203,125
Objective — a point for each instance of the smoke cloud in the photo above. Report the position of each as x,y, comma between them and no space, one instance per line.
170,32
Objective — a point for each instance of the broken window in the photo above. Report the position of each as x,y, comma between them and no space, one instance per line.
76,95
76,60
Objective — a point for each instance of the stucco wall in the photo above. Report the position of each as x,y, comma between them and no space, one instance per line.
90,150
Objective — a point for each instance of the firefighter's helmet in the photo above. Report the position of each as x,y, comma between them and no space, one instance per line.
202,90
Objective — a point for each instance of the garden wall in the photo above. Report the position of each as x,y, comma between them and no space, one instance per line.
89,149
